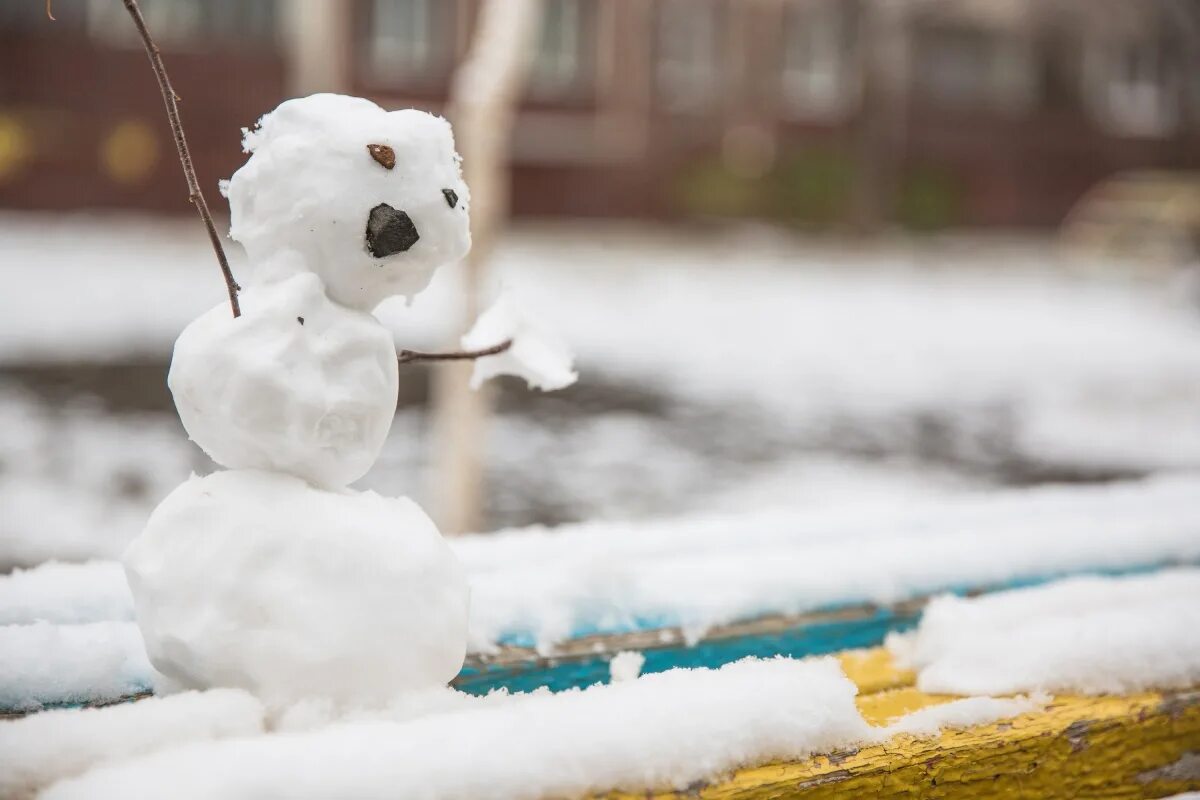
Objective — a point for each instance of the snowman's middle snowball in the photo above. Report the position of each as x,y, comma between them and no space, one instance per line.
297,384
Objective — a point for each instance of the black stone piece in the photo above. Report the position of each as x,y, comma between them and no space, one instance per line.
300,320
389,231
451,197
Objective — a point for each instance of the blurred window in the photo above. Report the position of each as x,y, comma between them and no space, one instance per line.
186,22
817,73
31,16
406,39
687,70
1131,87
559,65
975,68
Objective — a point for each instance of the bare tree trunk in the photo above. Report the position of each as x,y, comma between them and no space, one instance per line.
316,36
483,105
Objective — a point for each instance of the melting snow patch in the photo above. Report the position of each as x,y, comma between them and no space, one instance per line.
626,666
1086,635
669,729
964,713
40,749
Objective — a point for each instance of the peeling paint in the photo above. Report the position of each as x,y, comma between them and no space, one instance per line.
1187,768
1076,733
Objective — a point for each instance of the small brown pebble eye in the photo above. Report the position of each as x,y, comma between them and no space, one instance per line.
383,154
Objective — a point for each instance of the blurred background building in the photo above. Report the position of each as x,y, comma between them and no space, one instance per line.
725,364
818,113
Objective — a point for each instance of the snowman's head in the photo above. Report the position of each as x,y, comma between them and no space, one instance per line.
372,201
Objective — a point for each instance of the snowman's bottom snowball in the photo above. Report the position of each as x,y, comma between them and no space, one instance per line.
258,581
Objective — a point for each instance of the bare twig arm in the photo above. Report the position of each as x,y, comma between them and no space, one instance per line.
185,157
409,356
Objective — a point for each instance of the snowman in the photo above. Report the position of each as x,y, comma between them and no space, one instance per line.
271,575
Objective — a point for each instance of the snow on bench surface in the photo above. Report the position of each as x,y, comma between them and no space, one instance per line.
95,591
45,663
546,585
40,749
678,729
532,586
664,730
672,729
543,586
1085,635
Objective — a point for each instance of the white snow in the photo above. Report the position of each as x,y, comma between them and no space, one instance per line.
964,713
666,730
996,337
43,748
303,199
625,666
44,663
546,585
70,593
296,384
1087,635
256,580
536,354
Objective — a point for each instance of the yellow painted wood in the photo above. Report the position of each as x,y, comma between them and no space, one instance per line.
873,670
1140,746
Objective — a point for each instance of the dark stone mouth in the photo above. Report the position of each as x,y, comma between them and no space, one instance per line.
389,231
451,197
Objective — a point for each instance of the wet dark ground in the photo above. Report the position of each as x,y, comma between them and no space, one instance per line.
546,470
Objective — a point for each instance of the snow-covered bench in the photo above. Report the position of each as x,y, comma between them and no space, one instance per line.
552,608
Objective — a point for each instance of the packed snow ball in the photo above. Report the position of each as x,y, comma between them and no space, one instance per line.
296,384
258,581
373,201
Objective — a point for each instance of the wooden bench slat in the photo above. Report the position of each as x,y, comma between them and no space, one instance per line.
1138,746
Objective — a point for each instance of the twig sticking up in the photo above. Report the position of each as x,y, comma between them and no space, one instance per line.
195,196
50,13
409,356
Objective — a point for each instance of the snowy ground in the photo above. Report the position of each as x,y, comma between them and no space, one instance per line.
719,372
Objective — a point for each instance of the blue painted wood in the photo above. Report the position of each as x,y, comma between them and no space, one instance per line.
797,642
858,626
803,639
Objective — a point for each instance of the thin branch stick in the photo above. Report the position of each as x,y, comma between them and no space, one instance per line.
49,12
409,356
195,196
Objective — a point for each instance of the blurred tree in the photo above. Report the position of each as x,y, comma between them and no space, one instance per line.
483,106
